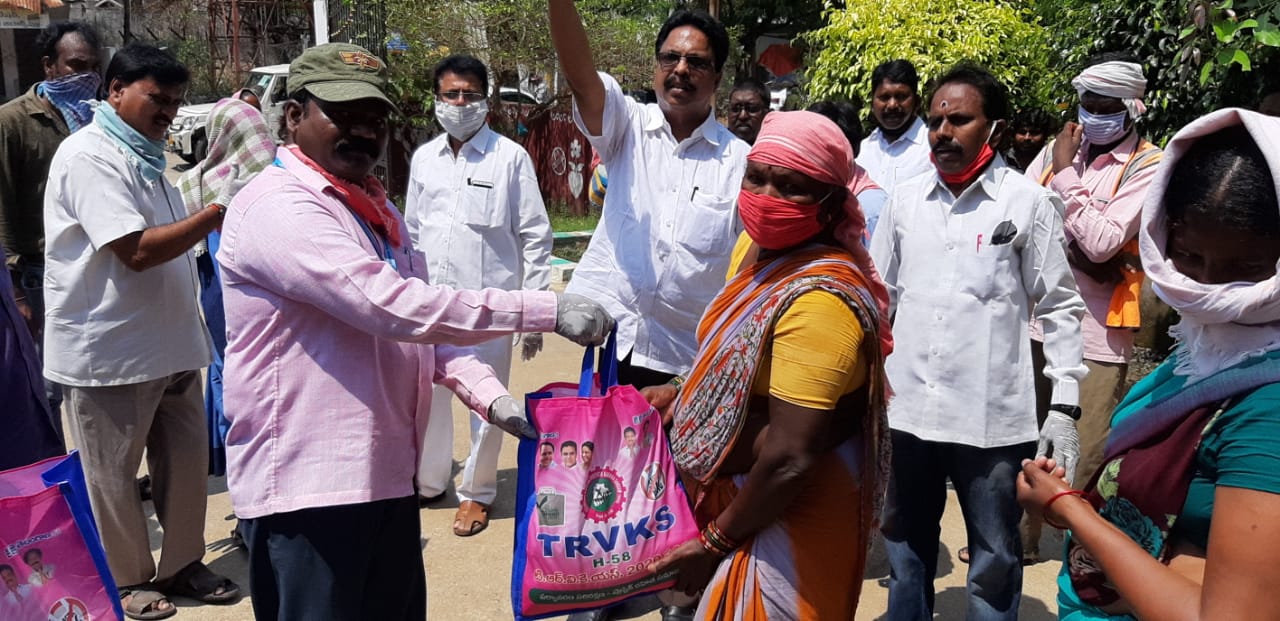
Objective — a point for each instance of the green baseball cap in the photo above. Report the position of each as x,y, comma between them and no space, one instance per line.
339,72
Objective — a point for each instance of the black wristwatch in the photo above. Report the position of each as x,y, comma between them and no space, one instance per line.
1070,410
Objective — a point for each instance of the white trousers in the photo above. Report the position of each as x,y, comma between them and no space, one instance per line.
480,474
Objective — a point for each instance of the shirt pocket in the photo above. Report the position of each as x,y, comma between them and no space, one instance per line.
706,226
481,205
992,272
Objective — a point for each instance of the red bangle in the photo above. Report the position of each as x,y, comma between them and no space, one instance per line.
1053,499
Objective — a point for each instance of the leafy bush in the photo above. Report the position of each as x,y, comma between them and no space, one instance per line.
1198,55
934,35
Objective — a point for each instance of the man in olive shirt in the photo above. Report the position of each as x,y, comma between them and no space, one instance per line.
31,128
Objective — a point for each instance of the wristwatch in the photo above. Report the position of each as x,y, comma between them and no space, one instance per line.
1070,410
222,209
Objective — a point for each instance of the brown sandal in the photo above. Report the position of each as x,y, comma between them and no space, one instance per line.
140,602
472,518
198,582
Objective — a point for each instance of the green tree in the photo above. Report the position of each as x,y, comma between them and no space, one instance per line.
1198,55
512,37
934,35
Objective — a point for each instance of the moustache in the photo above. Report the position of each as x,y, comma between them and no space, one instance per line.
675,82
946,147
360,146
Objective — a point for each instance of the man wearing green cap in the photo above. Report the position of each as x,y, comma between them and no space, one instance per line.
334,338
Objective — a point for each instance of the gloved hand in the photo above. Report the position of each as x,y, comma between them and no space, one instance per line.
582,320
1059,431
530,345
232,186
506,414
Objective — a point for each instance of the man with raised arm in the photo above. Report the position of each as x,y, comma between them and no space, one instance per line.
662,246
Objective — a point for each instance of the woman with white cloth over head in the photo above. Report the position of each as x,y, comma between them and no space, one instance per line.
1178,523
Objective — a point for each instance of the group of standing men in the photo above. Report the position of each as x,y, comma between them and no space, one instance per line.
334,335
340,314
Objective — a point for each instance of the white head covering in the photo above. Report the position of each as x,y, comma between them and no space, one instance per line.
1119,79
1221,325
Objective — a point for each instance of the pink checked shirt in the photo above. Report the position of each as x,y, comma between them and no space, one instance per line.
331,350
1100,224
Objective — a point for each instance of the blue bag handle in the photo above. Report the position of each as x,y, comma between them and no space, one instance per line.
607,364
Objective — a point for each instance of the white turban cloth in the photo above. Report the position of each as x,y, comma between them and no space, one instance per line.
1119,79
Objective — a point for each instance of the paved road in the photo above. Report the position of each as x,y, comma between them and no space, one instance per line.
469,578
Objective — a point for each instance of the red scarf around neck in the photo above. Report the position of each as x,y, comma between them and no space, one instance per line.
368,200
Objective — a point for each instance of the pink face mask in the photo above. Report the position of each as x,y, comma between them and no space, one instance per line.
774,223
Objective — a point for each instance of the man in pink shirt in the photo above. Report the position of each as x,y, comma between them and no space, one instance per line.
334,338
1101,167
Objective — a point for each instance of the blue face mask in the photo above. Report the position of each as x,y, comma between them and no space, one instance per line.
1103,128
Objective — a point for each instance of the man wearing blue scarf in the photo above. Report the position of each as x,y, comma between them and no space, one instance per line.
31,128
124,334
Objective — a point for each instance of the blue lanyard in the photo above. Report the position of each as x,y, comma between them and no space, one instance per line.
374,239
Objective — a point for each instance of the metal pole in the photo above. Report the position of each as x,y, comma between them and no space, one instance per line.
235,41
320,15
126,26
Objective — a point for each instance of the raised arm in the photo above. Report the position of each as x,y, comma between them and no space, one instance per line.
574,51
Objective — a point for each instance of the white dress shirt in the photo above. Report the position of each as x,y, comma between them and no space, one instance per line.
964,274
105,324
662,247
891,164
479,217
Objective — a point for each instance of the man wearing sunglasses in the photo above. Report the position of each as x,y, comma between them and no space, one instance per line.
333,338
662,247
474,209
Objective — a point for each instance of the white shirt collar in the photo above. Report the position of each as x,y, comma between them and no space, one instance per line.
482,142
917,133
709,130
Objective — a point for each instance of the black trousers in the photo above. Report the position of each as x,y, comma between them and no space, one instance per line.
640,376
343,563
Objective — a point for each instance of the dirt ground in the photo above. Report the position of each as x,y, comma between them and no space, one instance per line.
470,578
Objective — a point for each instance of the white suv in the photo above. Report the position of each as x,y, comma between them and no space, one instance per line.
187,136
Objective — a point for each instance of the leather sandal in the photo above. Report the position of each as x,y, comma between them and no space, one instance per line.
140,602
472,518
198,582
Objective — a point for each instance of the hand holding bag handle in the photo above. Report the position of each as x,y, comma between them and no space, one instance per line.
607,364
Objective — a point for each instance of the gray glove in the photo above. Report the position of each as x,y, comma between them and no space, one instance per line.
1059,431
582,320
530,345
506,414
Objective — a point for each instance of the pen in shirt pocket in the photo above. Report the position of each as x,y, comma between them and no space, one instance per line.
693,193
480,184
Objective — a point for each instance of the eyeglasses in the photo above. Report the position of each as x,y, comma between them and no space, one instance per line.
163,101
749,109
697,64
466,96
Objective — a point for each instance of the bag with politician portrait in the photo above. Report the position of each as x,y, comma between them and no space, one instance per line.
598,496
52,565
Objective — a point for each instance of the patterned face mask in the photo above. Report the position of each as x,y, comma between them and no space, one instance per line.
71,95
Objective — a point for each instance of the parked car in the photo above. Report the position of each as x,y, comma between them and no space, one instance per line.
187,135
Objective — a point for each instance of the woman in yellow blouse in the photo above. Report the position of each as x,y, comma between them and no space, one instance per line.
791,351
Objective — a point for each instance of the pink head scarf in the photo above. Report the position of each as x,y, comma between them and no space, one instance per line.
812,144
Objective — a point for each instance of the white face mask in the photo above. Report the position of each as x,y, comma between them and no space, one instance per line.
1103,128
462,122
